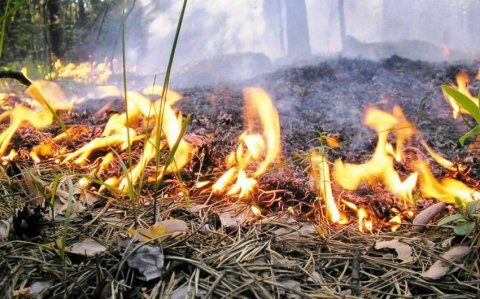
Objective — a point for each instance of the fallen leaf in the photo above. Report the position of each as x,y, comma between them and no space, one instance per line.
87,247
231,221
295,232
88,197
148,260
38,287
426,215
441,267
290,289
403,250
160,229
187,292
4,229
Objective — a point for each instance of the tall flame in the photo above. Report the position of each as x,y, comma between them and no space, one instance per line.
323,185
380,166
260,147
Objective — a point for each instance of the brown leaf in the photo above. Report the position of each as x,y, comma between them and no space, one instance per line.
441,267
404,251
160,229
87,247
426,215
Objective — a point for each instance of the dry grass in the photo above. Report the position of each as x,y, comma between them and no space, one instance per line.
272,257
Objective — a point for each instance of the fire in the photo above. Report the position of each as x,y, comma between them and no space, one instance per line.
462,86
257,148
446,52
447,190
87,72
49,99
381,165
322,183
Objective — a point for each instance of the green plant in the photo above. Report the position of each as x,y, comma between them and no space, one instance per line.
466,219
469,106
66,223
166,83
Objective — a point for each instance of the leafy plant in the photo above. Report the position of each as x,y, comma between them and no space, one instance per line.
469,106
466,219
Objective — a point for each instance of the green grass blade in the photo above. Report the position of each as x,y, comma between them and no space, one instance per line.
470,134
166,83
4,26
464,101
66,223
56,180
171,155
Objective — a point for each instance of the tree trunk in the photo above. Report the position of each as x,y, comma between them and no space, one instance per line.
298,41
81,13
273,16
341,20
55,28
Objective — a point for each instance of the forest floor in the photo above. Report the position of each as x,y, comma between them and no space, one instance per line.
214,246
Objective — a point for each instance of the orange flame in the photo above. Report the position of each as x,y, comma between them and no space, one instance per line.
261,147
87,72
447,164
462,86
380,166
446,190
48,96
323,185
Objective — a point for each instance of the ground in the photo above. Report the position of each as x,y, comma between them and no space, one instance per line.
281,254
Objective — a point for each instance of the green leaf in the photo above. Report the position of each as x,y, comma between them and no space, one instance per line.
464,101
460,203
472,207
464,228
450,218
469,135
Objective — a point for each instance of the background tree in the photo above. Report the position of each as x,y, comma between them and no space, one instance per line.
298,40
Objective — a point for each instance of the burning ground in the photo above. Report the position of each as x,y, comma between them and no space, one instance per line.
271,238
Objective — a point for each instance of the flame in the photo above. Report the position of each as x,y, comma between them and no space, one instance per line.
447,164
395,223
445,190
259,148
365,219
87,72
323,185
256,211
462,86
49,98
446,52
380,166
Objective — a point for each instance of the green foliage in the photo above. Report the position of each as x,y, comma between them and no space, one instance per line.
469,106
465,220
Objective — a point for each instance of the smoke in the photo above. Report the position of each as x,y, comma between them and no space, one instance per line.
209,28
374,29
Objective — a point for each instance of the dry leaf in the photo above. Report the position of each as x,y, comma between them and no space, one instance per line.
404,251
4,229
441,267
187,292
87,247
290,288
232,221
148,260
160,230
426,215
